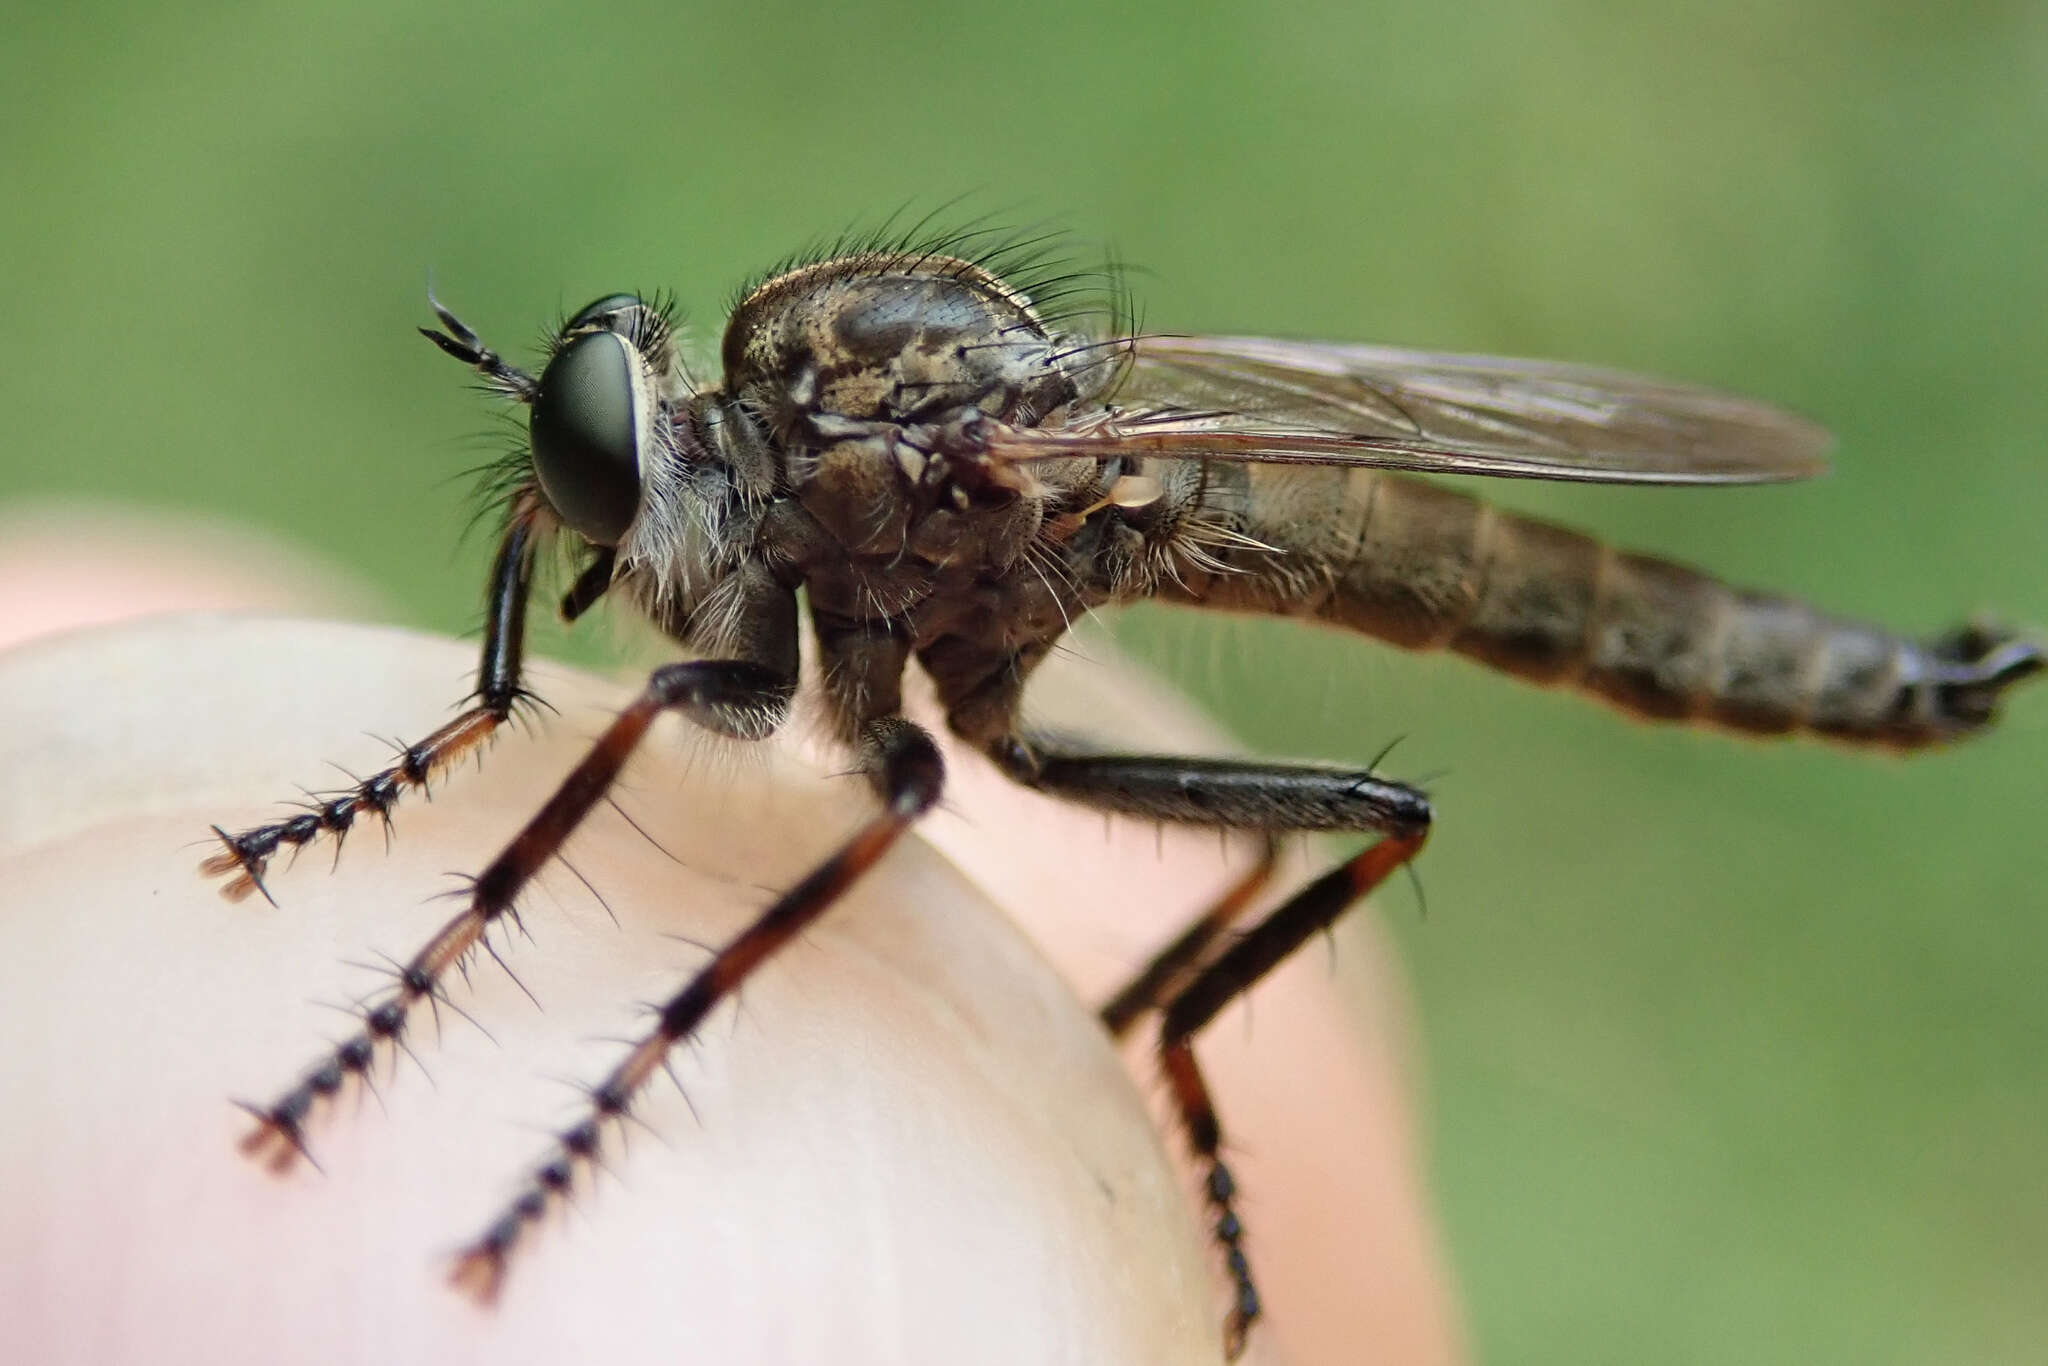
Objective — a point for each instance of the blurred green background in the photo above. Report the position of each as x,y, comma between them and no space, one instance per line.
1735,1051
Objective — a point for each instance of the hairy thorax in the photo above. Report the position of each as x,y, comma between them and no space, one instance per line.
864,378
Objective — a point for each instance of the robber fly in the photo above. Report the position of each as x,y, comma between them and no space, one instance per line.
952,471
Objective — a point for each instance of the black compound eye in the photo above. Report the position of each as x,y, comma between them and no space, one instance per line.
601,312
585,431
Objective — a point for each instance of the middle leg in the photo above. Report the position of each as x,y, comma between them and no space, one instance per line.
902,762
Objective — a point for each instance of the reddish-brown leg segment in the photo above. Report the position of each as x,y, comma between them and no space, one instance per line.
1170,969
904,765
1234,972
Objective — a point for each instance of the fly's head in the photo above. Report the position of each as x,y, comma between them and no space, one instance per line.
616,455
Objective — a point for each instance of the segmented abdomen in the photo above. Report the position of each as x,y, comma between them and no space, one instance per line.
1426,567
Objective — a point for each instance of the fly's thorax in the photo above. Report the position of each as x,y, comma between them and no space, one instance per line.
891,339
865,371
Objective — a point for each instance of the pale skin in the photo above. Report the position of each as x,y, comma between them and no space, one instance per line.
910,1140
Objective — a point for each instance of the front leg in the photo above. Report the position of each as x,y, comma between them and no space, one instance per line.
733,697
244,856
1231,794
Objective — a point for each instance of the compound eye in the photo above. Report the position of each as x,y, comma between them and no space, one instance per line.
585,430
601,312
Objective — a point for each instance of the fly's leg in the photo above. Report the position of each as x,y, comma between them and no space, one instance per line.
244,856
1233,794
903,764
1161,979
734,697
1314,908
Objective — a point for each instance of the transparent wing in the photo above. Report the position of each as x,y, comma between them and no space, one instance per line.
1256,399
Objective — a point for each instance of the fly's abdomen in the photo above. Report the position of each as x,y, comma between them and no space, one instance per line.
1428,568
